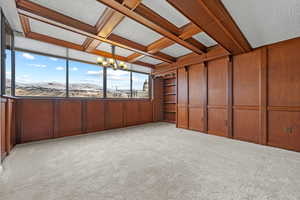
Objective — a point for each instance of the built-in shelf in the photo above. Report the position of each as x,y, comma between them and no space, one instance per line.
169,85
169,102
169,111
167,94
169,78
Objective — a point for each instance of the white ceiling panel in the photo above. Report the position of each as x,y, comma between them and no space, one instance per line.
58,33
150,60
205,39
87,11
176,50
164,9
268,21
139,68
37,46
119,51
136,32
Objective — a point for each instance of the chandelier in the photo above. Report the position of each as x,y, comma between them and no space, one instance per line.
112,62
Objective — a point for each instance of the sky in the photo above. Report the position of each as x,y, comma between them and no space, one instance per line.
34,68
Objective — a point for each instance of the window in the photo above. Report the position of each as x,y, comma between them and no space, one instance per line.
140,85
8,59
118,84
85,80
38,75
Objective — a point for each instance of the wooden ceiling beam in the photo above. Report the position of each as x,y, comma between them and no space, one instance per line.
109,20
212,17
51,16
150,24
186,33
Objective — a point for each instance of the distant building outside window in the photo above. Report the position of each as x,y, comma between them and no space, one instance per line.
118,84
140,85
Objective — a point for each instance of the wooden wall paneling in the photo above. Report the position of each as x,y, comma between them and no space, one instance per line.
69,117
132,113
196,97
217,121
284,129
246,96
157,100
145,112
2,128
246,125
218,97
114,114
283,74
182,99
94,115
36,120
10,125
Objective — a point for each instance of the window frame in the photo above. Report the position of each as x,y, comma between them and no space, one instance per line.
68,78
6,26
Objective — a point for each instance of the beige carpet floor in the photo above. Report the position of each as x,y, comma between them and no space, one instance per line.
153,161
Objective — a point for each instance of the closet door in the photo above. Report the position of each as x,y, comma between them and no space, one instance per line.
182,98
196,97
217,97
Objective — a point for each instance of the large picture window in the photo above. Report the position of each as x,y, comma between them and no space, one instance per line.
85,80
46,76
118,84
140,85
38,75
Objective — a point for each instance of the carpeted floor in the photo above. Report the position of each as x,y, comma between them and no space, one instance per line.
152,161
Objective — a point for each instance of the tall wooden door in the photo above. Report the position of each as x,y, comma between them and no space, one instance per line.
217,97
197,85
182,98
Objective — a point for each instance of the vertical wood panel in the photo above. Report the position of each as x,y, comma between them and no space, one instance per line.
279,135
182,98
114,114
196,97
263,98
218,97
283,71
2,128
132,113
246,125
94,116
69,117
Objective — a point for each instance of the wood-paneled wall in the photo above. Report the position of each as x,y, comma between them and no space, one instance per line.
7,130
39,119
253,97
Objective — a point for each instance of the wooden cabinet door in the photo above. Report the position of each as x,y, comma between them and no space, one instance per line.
182,98
37,119
196,97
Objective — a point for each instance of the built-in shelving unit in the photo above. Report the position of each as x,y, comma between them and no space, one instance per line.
169,101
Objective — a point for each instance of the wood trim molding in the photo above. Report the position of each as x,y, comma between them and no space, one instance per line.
212,17
150,24
190,59
186,33
25,24
263,96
